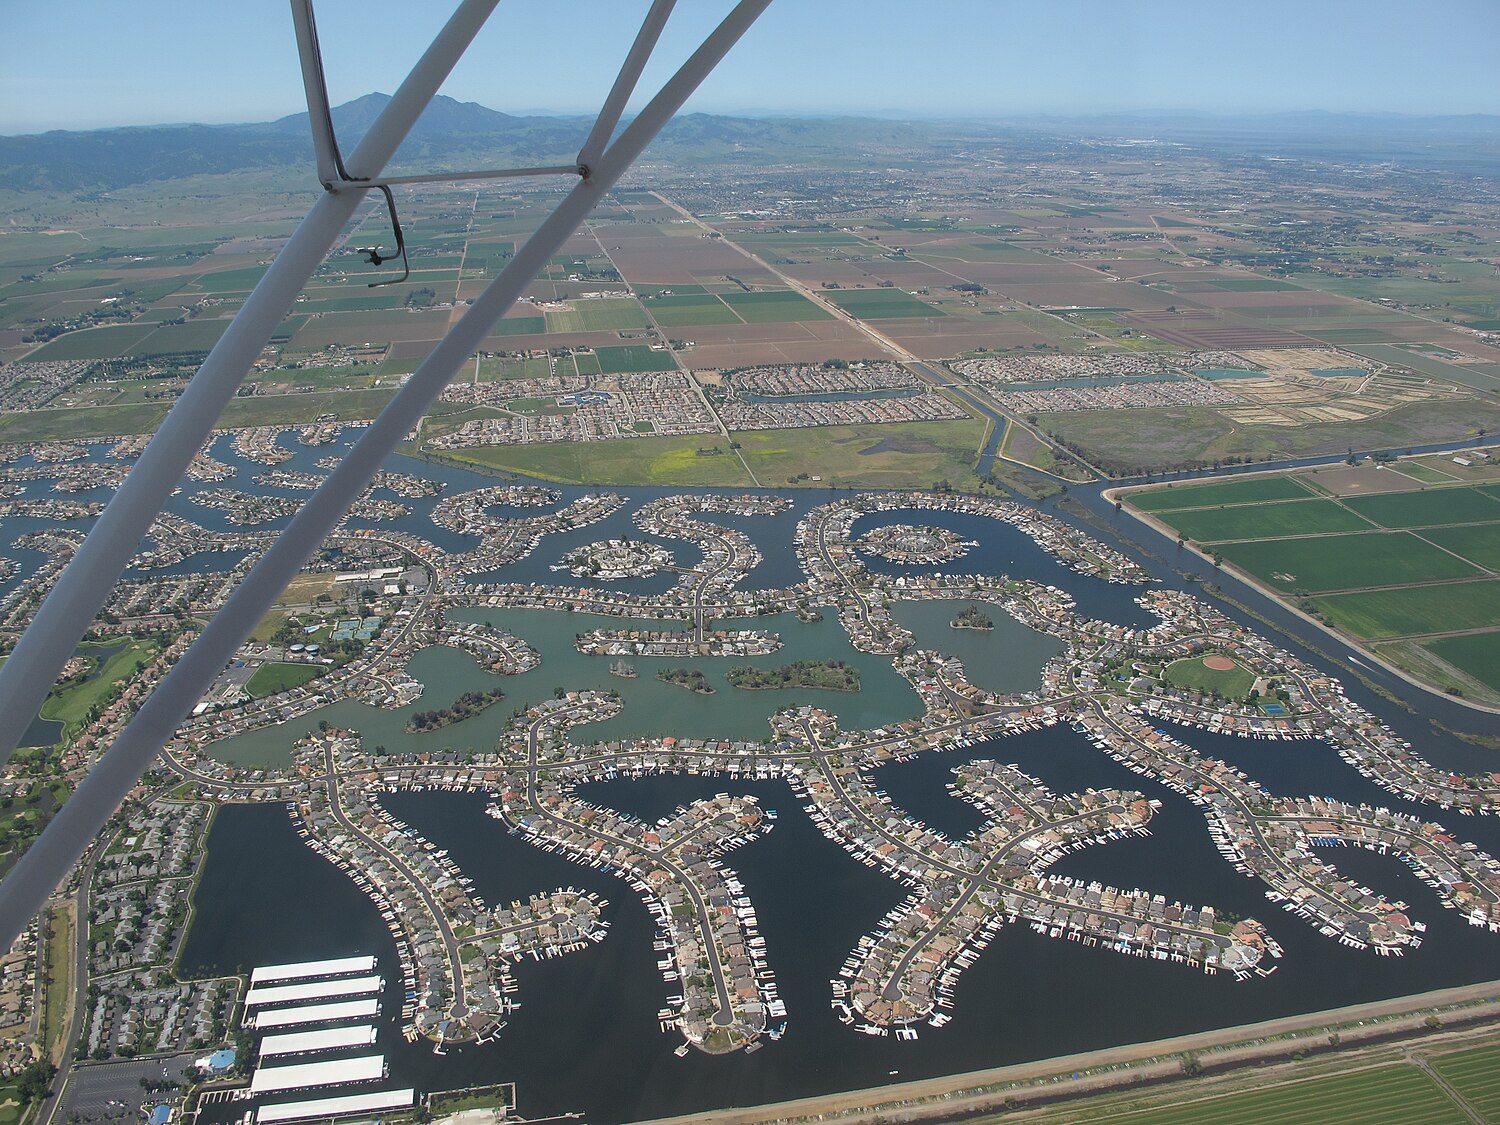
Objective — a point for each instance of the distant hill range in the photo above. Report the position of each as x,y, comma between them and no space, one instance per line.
453,135
450,135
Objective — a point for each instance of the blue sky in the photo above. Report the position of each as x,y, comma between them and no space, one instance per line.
95,63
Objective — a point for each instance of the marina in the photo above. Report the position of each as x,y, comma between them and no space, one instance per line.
303,1076
270,974
313,1013
346,1105
312,990
299,1043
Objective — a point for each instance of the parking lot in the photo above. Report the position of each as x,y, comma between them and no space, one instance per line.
112,1091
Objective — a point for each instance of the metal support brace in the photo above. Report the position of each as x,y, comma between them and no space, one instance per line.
84,585
619,94
68,836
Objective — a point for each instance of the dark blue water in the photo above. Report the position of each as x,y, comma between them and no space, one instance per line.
586,1037
1006,550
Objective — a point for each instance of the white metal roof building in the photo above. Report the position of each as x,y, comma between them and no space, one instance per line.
301,1042
302,1076
312,990
300,969
367,1008
335,1107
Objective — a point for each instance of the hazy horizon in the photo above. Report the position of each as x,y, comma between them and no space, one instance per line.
171,62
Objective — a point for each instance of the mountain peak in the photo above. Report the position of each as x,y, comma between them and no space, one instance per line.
444,117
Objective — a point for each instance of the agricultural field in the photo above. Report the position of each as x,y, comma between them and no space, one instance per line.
520,326
1246,490
773,306
1479,543
690,308
882,304
1266,520
633,357
1431,507
896,455
603,315
1377,552
1443,608
1475,1075
649,460
1476,655
1322,563
1394,1093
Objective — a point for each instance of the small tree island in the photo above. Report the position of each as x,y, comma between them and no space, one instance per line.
972,618
690,678
466,706
825,675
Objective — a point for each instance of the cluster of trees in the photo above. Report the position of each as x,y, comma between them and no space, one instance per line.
467,705
690,678
35,1081
828,675
972,617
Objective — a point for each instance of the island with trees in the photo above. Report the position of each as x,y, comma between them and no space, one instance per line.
689,678
972,618
825,675
466,706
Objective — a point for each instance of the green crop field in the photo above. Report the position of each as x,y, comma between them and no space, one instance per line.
79,423
613,315
1476,1076
774,306
1395,1093
882,304
652,461
1422,609
1478,654
633,357
272,678
194,336
291,410
1264,521
1233,683
1345,562
1479,544
1429,507
694,308
94,343
520,326
892,455
1251,490
1424,473
231,281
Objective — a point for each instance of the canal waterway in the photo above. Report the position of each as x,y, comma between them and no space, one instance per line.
1028,996
586,1036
